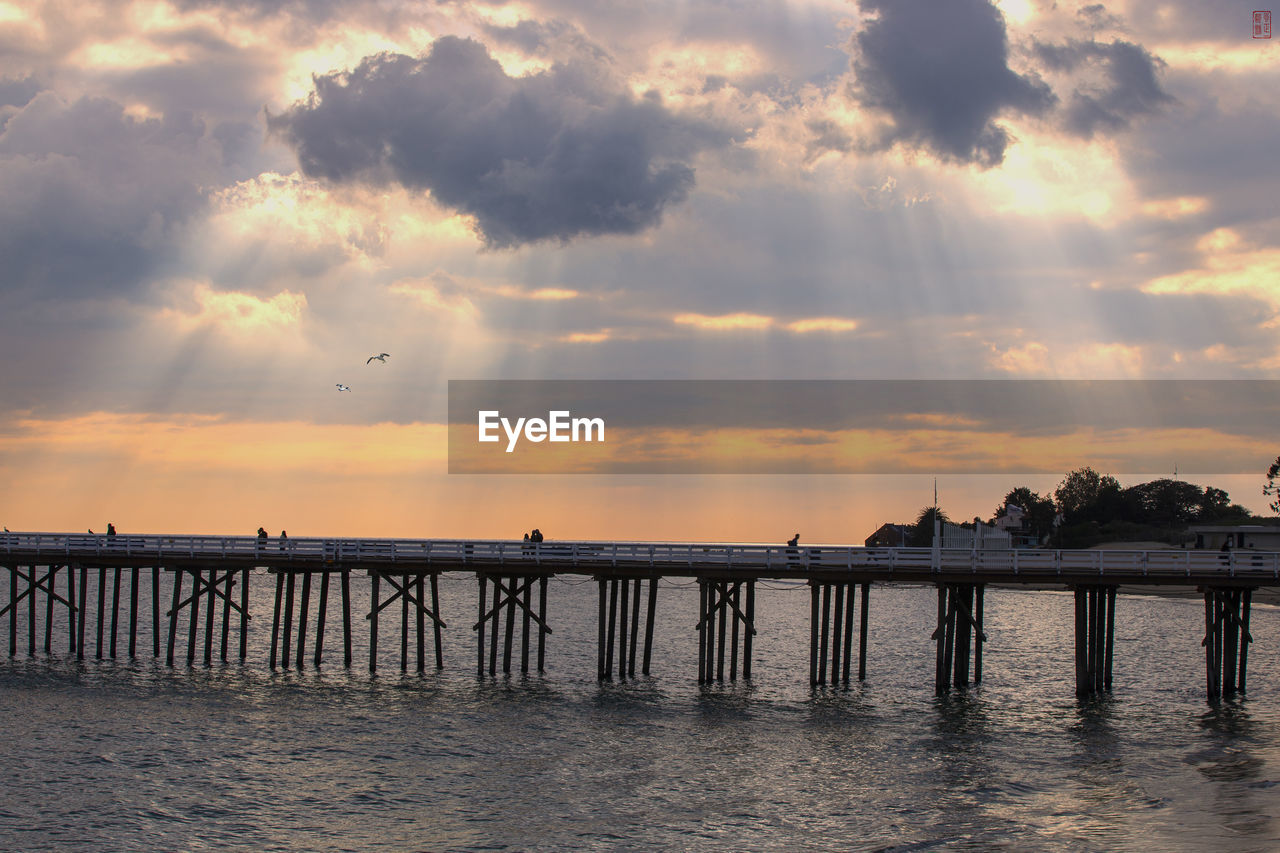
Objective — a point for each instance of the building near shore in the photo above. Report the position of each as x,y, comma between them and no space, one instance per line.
1258,537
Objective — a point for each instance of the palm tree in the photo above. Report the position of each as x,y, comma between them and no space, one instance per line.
922,535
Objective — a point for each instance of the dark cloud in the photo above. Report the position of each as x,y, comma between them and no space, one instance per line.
552,155
826,136
17,92
92,195
1129,86
940,71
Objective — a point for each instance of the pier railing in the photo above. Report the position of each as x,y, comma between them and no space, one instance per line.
146,549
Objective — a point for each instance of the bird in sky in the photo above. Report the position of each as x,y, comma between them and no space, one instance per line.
342,387
382,357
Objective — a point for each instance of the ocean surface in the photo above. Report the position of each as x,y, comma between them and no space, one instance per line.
133,755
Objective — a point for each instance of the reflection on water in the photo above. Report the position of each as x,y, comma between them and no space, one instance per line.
132,755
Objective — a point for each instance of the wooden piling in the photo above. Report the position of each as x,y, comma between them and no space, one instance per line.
734,596
1246,600
511,626
80,613
613,617
749,634
964,632
823,630
155,611
524,641
50,580
977,632
373,624
1108,652
173,614
635,627
304,609
484,582
228,581
939,674
275,618
346,617
702,632
623,614
73,612
493,635
244,613
949,637
837,632
542,621
210,589
1230,640
102,610
435,623
648,625
193,611
422,625
115,610
601,611
862,633
286,626
13,611
404,623
1210,686
133,611
31,611
321,615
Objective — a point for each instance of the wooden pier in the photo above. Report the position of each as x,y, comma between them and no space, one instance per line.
208,599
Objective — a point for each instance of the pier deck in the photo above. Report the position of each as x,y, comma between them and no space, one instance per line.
199,575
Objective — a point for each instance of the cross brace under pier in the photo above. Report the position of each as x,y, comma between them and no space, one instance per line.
511,593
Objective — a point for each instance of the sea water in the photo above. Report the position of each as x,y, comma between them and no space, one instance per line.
134,755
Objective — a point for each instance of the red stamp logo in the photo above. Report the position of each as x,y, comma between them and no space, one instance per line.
1262,24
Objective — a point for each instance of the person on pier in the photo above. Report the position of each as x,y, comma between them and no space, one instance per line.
284,540
111,530
262,536
535,536
792,554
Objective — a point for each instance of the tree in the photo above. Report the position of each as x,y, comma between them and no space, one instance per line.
1272,488
1038,510
1081,493
922,534
1167,503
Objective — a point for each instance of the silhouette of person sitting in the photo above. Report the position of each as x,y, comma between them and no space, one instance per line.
262,536
793,556
535,536
111,530
284,539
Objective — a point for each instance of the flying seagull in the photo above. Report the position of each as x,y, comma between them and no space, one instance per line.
382,357
342,387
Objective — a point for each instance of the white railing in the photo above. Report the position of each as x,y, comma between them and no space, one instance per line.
1159,565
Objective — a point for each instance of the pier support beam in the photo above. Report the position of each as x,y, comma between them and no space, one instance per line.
28,583
407,588
511,593
619,629
958,636
831,632
1226,639
213,589
727,605
1095,638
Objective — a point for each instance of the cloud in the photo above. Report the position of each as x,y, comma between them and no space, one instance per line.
549,156
940,72
17,92
92,195
1128,87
